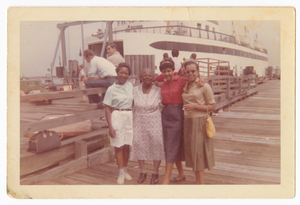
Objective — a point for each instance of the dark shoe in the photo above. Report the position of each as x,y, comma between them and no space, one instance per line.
142,178
100,106
154,179
178,180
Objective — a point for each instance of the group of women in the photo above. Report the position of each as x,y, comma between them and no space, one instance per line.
176,134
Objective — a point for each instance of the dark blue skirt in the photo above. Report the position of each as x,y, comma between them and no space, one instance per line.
172,122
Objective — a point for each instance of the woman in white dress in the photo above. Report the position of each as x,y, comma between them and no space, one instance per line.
147,128
118,112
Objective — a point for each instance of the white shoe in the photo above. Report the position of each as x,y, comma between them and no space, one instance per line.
121,179
128,177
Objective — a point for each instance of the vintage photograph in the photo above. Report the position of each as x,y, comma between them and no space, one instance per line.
238,61
150,102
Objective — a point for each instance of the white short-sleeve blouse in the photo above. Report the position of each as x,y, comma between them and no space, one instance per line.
119,96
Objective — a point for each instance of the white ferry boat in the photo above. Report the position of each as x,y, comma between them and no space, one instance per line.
201,37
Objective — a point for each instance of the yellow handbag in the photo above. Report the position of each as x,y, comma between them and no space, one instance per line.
210,128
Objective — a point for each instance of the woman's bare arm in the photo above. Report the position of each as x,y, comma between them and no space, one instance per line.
108,111
203,108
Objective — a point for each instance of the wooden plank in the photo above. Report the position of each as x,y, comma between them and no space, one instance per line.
85,179
101,133
61,94
67,181
251,139
258,116
80,149
48,124
96,174
96,144
101,156
59,171
35,162
48,182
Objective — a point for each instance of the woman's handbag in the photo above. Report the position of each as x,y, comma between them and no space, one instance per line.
210,128
44,141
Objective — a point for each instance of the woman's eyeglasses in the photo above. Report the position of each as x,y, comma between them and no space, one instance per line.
190,71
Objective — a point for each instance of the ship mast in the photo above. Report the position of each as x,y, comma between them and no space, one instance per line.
235,34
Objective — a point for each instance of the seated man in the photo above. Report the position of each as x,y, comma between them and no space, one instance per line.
113,55
102,73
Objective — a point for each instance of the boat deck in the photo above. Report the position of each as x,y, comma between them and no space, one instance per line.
246,145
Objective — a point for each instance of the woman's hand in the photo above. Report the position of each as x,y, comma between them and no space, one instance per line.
156,83
201,82
108,111
112,132
189,107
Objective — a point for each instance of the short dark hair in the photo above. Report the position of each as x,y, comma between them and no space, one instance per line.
175,52
165,55
112,45
189,62
123,65
152,72
166,63
194,56
88,52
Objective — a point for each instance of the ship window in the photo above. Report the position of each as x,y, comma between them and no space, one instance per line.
218,49
207,27
229,51
198,25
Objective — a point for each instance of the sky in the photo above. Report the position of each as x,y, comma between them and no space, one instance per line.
38,41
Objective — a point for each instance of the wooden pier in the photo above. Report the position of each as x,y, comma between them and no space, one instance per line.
247,142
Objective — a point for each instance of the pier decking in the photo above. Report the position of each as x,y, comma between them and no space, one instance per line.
247,143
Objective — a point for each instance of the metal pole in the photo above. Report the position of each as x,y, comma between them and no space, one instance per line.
110,33
83,61
104,40
54,57
63,46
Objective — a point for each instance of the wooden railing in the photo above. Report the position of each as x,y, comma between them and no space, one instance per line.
228,89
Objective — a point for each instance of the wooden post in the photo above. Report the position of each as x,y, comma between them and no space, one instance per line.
141,62
127,60
136,64
208,67
80,149
227,88
240,85
153,62
249,80
210,82
149,62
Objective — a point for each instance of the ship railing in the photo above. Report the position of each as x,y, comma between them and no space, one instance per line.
182,31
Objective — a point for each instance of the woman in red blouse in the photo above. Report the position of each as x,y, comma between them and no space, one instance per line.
172,119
